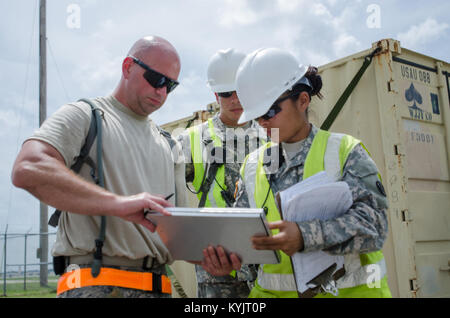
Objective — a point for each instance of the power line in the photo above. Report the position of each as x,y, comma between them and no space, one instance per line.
57,70
33,29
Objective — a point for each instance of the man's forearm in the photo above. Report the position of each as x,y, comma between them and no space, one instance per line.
39,171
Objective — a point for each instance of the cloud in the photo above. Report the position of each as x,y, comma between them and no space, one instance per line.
418,35
237,13
321,11
345,44
190,96
287,6
99,75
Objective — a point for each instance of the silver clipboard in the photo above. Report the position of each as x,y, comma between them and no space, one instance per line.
189,230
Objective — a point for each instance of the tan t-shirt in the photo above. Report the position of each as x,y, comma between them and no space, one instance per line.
136,158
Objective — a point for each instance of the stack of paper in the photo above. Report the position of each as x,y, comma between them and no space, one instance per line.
317,197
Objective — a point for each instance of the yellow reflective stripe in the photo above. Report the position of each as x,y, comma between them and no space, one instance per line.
362,291
314,162
248,173
214,196
371,258
215,139
197,159
220,174
197,156
284,267
244,164
262,190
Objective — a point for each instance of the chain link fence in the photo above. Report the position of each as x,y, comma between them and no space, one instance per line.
20,262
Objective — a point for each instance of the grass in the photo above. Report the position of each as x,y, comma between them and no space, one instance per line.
33,288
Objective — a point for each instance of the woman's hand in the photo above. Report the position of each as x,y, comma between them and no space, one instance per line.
289,239
218,263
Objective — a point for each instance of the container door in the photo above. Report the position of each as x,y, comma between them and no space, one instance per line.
423,104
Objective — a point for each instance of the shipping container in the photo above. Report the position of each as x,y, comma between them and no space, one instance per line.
400,110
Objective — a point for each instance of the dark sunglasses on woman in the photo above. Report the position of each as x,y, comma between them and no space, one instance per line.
225,94
275,108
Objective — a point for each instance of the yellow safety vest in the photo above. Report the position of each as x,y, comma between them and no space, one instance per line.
329,152
214,197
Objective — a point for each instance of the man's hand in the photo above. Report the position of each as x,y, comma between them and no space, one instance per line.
40,169
218,263
289,239
133,208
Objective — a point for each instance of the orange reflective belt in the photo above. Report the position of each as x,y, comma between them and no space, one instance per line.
111,277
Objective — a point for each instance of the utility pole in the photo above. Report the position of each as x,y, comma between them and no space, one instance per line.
4,260
43,227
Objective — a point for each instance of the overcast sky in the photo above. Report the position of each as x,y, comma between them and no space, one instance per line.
88,39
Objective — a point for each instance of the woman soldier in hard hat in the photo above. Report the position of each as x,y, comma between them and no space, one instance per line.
226,143
275,90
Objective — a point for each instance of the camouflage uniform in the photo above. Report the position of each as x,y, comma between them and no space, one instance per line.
210,286
362,229
114,291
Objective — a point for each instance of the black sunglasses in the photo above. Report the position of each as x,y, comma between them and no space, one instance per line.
154,78
225,94
275,108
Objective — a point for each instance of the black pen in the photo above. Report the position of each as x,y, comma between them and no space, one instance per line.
146,211
169,196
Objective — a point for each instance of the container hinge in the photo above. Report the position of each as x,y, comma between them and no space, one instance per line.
406,216
399,150
413,285
392,86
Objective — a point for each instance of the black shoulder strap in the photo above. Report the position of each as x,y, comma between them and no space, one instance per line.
82,158
206,184
95,131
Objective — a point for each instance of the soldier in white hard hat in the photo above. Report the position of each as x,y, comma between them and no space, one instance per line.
217,149
275,90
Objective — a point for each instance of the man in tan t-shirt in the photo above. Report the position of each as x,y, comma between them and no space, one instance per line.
139,171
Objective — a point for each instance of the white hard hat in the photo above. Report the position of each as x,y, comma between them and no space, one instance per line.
222,70
262,77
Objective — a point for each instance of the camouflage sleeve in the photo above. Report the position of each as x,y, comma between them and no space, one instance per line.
364,227
184,140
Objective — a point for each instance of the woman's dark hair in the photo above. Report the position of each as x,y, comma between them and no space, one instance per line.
316,82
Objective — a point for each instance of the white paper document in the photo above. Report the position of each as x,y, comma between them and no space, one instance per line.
317,197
